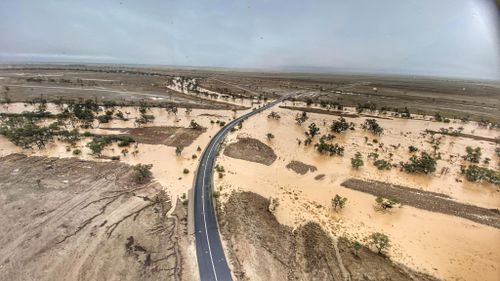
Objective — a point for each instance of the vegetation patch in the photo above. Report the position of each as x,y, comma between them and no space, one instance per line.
170,136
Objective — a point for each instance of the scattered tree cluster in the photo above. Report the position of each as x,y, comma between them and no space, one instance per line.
473,154
475,173
220,170
424,164
328,148
382,164
98,143
366,106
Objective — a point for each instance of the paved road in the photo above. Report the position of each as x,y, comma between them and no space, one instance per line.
212,262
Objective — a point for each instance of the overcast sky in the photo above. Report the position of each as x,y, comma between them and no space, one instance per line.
457,38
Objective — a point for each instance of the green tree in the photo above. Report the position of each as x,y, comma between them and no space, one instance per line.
356,247
178,150
412,149
142,173
357,161
473,154
382,164
269,136
194,125
475,173
372,126
385,204
338,202
313,130
327,148
425,164
339,126
301,118
380,241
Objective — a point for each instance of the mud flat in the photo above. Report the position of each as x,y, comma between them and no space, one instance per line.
300,167
170,136
430,201
260,248
250,149
69,219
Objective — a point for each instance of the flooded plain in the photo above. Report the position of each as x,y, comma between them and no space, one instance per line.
448,247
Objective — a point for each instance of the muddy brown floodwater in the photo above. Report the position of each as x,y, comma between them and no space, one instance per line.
446,246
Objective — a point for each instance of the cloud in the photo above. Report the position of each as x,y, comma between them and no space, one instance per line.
425,37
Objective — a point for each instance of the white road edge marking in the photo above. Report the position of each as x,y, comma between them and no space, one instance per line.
223,132
203,205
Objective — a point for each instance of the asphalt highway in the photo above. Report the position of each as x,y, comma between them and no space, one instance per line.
212,262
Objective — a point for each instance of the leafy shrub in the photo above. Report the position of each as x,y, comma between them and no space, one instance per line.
385,204
382,164
339,126
194,125
313,130
338,202
104,118
274,115
357,161
475,173
372,126
301,118
142,173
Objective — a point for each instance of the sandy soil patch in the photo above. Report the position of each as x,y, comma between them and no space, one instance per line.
250,149
300,168
68,219
260,248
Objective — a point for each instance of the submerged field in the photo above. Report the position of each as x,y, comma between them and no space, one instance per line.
447,233
274,183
